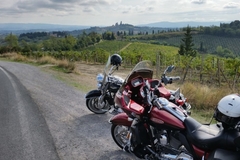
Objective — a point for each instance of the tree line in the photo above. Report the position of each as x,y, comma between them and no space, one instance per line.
56,41
226,29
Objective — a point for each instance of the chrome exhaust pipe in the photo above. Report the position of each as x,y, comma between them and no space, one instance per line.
181,156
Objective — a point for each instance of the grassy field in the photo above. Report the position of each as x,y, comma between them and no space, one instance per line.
209,42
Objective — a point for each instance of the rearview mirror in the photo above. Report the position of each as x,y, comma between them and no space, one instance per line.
170,68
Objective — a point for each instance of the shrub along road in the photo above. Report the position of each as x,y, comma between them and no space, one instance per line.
61,115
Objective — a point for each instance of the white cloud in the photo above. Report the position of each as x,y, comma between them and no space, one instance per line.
231,5
108,12
198,1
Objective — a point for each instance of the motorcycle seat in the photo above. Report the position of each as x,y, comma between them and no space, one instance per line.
209,137
224,154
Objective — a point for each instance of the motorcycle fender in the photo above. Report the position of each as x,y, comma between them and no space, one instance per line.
121,119
93,93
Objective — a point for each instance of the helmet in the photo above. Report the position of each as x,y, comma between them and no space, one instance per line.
228,110
116,59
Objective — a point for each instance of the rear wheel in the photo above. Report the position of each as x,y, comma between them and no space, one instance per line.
92,105
119,134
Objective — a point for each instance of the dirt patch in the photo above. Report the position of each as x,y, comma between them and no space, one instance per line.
85,75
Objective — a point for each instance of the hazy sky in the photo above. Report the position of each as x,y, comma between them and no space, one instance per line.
108,12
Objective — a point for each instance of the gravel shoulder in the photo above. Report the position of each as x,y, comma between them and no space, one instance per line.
78,134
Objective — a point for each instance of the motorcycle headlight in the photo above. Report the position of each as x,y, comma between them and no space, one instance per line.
99,78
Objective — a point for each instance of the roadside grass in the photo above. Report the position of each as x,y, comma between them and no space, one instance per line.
203,116
47,60
14,57
63,65
203,99
61,68
202,96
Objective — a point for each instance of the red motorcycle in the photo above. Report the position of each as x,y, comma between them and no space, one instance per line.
152,127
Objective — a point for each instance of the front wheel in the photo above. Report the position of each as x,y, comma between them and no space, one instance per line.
120,134
92,105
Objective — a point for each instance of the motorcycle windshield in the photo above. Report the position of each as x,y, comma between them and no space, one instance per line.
106,70
143,69
107,66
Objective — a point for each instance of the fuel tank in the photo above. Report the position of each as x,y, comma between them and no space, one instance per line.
164,119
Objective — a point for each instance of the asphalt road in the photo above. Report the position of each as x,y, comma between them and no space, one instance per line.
24,134
43,118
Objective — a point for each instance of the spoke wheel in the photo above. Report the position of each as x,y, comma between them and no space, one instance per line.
119,134
92,104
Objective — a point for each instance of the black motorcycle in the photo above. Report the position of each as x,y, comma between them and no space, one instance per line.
101,100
